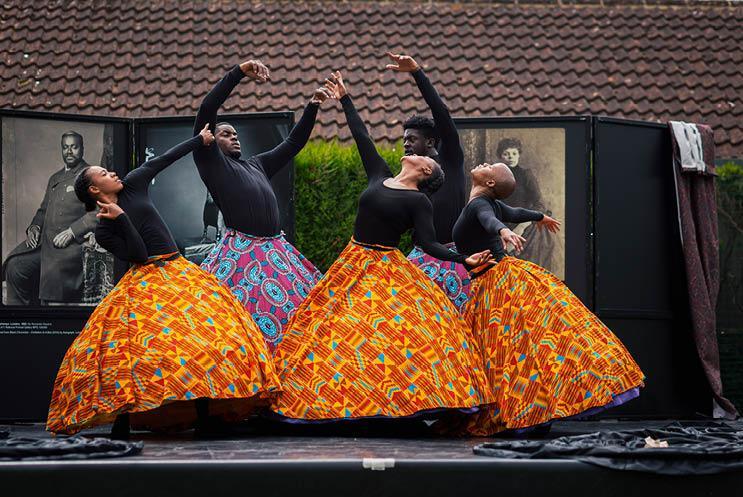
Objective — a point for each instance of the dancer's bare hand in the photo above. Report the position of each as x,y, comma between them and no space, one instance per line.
550,224
480,258
402,63
336,85
108,211
63,238
33,235
256,70
206,135
321,94
507,236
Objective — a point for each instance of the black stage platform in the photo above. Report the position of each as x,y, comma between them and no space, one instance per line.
252,464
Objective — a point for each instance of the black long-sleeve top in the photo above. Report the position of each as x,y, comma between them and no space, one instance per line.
449,200
140,232
478,227
385,214
241,188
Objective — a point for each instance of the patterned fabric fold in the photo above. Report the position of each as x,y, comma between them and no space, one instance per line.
451,277
268,276
167,334
545,355
376,337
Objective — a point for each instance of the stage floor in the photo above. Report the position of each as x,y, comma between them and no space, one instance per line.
265,459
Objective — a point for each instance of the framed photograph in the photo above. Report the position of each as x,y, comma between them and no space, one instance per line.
53,271
179,193
551,163
50,258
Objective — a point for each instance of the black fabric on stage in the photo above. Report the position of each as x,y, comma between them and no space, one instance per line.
24,448
693,449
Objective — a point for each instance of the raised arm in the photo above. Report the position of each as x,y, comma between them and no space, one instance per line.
518,214
207,113
450,147
376,167
117,234
277,158
141,176
487,218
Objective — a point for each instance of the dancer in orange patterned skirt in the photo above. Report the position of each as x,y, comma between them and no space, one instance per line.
169,347
376,337
545,354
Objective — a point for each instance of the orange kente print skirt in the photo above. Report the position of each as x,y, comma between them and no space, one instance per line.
376,337
167,334
545,355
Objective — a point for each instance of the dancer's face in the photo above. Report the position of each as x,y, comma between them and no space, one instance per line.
418,165
103,181
227,141
482,175
498,177
415,142
511,157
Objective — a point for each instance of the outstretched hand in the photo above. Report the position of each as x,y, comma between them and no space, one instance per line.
550,224
507,236
256,70
480,258
108,211
206,135
336,85
321,94
402,63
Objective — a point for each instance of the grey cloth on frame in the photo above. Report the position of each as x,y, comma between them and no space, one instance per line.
689,143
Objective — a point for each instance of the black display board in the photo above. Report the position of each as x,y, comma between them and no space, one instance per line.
640,286
35,335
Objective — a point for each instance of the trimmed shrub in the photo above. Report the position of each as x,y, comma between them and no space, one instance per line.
329,180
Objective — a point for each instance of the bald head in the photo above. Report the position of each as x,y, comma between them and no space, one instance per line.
505,183
497,178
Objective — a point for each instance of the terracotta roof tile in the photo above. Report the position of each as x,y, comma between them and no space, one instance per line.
618,57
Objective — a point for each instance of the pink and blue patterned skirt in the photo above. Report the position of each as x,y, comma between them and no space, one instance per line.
451,277
268,276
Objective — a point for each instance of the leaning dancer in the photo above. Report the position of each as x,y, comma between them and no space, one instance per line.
375,337
438,139
545,354
166,335
264,271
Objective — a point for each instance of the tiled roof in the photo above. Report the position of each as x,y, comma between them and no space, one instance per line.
155,58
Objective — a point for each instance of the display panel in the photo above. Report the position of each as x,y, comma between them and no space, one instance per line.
49,253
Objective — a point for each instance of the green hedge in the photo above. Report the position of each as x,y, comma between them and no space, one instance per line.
329,180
